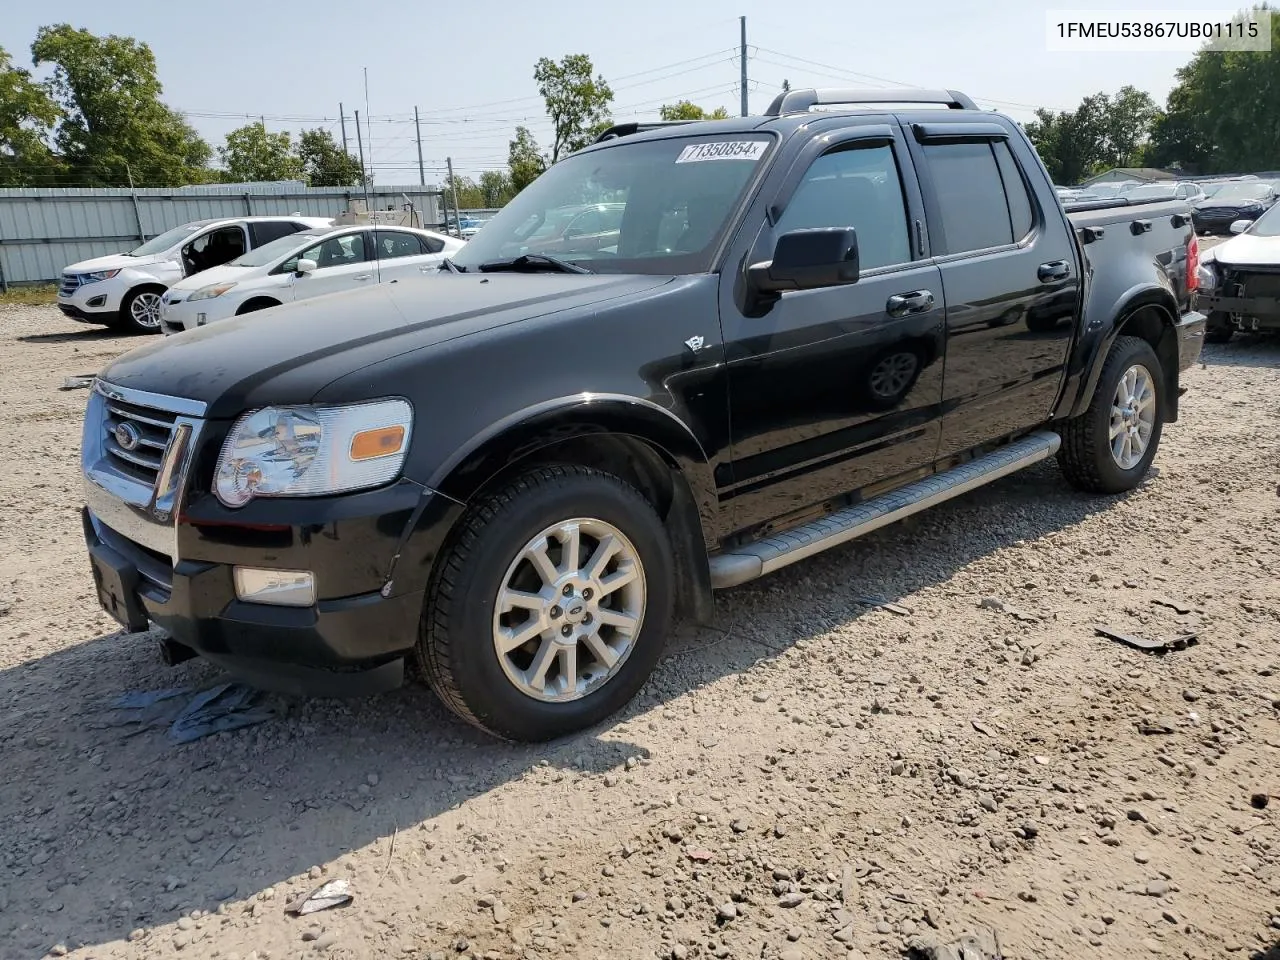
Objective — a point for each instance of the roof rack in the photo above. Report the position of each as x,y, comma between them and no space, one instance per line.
801,101
638,126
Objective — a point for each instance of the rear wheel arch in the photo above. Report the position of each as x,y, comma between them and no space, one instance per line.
1151,315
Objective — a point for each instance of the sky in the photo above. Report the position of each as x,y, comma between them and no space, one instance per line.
468,67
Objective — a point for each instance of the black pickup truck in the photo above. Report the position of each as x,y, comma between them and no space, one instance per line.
516,473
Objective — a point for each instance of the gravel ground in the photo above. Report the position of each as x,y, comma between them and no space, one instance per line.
813,779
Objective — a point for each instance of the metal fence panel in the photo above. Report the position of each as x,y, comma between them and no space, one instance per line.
43,230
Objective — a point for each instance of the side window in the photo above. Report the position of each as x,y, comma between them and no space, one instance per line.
855,187
337,251
264,231
971,195
432,244
392,244
1021,215
214,248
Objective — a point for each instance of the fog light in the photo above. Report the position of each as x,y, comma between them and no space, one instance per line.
96,301
281,588
199,319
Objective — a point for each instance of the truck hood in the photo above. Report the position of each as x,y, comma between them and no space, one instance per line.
1246,250
114,261
289,354
212,275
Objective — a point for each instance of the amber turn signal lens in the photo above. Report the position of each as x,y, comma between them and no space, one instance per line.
371,444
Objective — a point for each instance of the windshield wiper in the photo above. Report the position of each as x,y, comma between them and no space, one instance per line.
532,261
451,266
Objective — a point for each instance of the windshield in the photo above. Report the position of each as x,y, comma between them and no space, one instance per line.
650,207
1242,191
170,238
273,251
1152,191
1267,225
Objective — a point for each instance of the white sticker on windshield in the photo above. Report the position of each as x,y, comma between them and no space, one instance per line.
723,150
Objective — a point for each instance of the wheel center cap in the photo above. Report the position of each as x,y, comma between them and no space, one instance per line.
575,610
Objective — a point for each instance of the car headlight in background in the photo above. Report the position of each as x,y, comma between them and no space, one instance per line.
309,451
97,276
1207,275
211,291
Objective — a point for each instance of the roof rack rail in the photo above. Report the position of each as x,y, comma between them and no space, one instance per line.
800,101
637,126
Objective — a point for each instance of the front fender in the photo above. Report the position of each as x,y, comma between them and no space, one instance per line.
524,433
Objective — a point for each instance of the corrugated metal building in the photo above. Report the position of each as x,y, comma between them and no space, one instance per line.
44,229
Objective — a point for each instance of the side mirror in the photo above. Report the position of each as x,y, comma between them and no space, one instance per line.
1240,226
809,260
305,267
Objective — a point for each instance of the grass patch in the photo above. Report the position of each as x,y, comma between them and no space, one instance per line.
31,295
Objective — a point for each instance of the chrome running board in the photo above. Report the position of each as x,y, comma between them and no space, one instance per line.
765,556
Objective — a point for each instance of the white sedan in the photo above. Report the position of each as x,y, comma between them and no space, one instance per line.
307,264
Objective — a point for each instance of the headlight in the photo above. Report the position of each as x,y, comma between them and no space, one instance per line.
211,291
1207,276
98,275
313,451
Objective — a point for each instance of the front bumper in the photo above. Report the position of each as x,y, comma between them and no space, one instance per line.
1244,313
91,302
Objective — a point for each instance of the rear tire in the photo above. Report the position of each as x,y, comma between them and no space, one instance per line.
1109,448
1218,329
140,310
593,618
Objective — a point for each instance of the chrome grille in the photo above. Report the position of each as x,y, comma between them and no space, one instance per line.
145,432
70,284
1260,284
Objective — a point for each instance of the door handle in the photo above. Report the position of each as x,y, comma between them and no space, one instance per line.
901,304
1054,270
364,276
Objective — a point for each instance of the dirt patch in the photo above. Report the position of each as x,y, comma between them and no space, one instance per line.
815,778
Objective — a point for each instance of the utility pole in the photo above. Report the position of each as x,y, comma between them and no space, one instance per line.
743,54
453,188
369,124
364,174
422,173
342,119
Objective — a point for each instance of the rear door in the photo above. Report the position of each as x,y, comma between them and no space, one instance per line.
402,254
1009,275
343,262
835,389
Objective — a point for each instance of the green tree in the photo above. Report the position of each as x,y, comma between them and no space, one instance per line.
1105,131
27,119
469,194
324,163
1221,115
525,161
495,188
113,121
684,110
253,154
577,102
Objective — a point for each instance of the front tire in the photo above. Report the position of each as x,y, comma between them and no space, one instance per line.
549,609
140,310
1109,448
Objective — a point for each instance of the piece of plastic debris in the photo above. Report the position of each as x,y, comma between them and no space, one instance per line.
1174,605
335,893
228,706
1180,642
897,608
82,382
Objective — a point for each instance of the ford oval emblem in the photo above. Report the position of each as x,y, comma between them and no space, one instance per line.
127,436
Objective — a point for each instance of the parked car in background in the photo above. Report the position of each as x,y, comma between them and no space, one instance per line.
581,226
1167,190
1240,280
124,289
1233,201
300,266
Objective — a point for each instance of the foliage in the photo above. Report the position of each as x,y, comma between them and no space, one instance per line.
113,122
324,163
525,162
495,189
469,194
1219,115
30,295
27,118
577,102
684,110
252,153
1104,131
